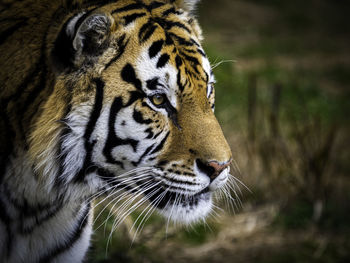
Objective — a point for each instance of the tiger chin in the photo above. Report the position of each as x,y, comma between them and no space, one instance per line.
102,98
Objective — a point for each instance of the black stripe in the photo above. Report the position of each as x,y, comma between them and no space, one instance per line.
173,180
150,133
134,95
34,214
155,136
128,8
190,51
171,10
171,24
95,114
155,48
152,84
206,76
154,5
113,140
170,197
181,40
167,24
192,59
179,62
160,145
195,42
143,155
201,52
128,74
4,35
172,113
97,108
137,115
168,40
146,31
131,18
163,60
69,242
41,218
135,6
26,209
162,163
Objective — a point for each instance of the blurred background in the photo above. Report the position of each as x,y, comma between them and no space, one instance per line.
282,97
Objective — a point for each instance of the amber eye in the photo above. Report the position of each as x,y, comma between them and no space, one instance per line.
158,99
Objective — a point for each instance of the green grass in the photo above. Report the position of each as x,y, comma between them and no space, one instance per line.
300,91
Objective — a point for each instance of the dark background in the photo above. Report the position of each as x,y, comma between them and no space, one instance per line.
283,75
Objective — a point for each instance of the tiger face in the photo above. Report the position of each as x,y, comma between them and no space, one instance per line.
140,117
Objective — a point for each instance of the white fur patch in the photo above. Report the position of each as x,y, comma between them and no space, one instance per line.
185,214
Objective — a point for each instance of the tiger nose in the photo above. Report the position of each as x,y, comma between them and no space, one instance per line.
212,168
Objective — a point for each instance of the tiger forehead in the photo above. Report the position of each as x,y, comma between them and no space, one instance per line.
165,30
123,9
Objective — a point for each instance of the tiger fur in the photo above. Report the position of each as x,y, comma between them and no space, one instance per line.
101,97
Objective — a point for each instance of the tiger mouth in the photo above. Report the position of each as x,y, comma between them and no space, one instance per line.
170,198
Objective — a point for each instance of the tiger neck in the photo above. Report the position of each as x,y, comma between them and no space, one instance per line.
36,191
33,218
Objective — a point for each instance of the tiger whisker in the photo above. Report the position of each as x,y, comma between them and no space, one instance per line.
135,206
122,209
153,205
126,193
119,198
128,212
112,180
140,177
131,172
112,192
223,61
171,211
236,202
233,189
137,178
241,183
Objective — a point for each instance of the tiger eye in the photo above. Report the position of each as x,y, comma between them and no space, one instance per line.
158,99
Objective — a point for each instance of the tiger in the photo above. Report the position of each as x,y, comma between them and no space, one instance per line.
102,97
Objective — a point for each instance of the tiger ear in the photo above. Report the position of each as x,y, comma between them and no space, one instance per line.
187,5
84,36
91,34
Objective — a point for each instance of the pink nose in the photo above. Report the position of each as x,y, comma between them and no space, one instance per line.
212,168
218,168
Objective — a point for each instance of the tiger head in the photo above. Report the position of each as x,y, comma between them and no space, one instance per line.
132,108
